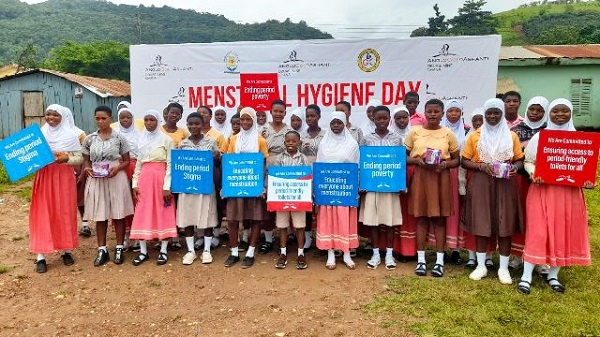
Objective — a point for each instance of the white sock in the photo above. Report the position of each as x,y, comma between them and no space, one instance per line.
421,256
164,244
143,247
331,256
472,255
283,250
103,248
439,258
189,241
553,274
307,239
348,259
235,251
40,257
245,235
269,236
216,232
250,252
207,242
504,261
527,271
389,252
119,246
300,251
376,253
481,260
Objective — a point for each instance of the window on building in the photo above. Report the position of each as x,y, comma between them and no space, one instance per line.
581,96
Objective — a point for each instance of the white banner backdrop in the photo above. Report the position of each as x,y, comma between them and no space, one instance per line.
320,72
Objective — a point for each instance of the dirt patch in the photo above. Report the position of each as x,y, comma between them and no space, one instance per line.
196,300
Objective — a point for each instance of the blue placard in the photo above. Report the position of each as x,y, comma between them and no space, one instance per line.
382,168
25,152
192,172
335,184
243,175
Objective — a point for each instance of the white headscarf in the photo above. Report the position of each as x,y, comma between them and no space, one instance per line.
543,102
71,120
224,128
298,112
394,128
131,133
61,138
247,140
370,126
457,128
149,140
495,143
125,103
531,149
338,148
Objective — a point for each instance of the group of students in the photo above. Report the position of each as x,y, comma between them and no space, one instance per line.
458,202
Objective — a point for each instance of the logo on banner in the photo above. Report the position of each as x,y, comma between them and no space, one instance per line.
293,65
231,61
179,98
368,60
444,59
158,69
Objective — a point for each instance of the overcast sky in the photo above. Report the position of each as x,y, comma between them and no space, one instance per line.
341,18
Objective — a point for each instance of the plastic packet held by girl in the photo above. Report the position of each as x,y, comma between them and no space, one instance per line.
432,157
501,170
100,170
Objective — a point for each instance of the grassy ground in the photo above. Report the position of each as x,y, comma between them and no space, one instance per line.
457,306
21,188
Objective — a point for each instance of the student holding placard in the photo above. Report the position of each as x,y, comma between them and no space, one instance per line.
433,150
493,156
380,210
197,210
107,190
53,211
155,210
274,133
337,225
557,232
240,209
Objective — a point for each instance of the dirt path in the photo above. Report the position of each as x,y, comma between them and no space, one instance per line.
197,300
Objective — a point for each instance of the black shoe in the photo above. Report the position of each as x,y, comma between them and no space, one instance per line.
119,256
136,247
102,258
85,231
140,259
68,259
437,271
162,259
455,258
265,248
247,262
421,269
231,260
243,246
524,287
174,246
557,287
40,266
224,237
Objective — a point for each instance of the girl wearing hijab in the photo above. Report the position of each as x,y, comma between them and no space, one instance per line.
298,121
401,122
154,216
493,208
430,194
535,120
53,211
337,225
128,130
557,232
220,122
248,140
369,127
107,191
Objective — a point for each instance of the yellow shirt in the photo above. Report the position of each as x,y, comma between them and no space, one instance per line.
177,136
470,150
419,139
218,138
262,145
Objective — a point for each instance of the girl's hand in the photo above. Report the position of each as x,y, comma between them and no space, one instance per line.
136,194
487,169
421,163
88,172
441,166
513,170
113,171
589,185
167,196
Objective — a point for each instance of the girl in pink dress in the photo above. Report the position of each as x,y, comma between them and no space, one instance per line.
557,232
53,213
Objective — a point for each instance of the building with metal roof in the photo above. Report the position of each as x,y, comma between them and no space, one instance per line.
25,95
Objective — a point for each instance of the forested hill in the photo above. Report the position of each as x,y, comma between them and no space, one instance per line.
48,23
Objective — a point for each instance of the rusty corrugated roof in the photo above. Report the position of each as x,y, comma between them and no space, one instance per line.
100,86
590,51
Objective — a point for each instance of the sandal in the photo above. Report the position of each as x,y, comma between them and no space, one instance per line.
437,270
557,287
162,259
471,263
524,287
140,259
421,269
489,264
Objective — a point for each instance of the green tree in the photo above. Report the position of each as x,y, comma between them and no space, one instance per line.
28,57
559,35
99,59
472,20
437,25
